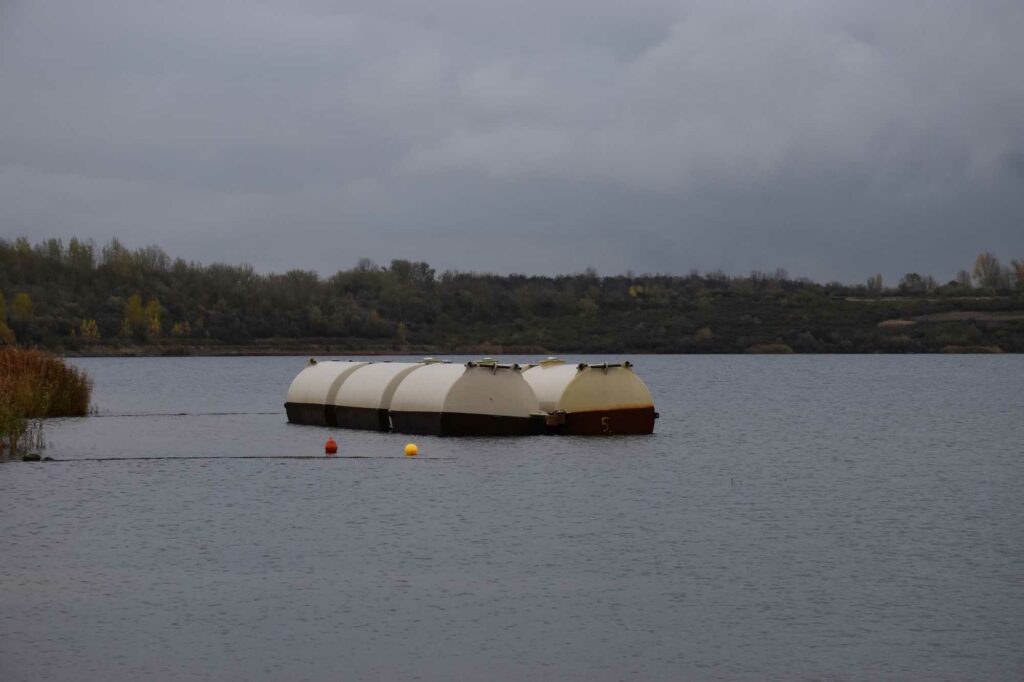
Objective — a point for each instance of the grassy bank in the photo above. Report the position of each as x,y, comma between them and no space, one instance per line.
35,385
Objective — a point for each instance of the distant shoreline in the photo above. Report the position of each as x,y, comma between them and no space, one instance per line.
279,351
333,351
81,301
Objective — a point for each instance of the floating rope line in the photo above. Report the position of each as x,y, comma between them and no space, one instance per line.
182,414
285,457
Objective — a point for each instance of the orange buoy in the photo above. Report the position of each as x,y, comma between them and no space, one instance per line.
411,450
331,448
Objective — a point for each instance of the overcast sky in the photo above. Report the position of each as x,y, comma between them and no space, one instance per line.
835,139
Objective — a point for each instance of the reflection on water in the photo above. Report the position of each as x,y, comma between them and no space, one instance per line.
791,518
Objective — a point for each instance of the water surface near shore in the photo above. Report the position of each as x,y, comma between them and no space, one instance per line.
797,517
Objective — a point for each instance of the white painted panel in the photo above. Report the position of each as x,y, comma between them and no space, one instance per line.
425,389
373,385
549,382
499,392
316,383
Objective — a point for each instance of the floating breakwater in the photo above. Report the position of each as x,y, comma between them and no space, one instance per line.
480,398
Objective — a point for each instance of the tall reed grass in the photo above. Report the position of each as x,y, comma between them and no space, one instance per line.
35,385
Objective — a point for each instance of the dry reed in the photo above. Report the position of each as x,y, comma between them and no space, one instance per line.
35,385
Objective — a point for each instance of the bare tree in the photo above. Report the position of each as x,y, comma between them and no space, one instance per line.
875,285
989,272
1018,273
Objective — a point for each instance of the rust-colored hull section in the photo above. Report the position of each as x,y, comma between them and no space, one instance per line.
621,422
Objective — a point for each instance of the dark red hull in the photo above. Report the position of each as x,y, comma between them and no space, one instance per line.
625,422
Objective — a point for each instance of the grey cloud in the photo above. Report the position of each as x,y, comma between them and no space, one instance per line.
832,138
1014,163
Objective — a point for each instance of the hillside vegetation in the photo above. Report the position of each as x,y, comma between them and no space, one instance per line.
78,298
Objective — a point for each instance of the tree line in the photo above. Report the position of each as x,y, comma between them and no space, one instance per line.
78,297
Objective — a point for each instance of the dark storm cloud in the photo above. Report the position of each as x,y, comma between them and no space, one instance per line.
832,138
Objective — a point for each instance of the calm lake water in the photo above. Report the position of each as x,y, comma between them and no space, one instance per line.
802,517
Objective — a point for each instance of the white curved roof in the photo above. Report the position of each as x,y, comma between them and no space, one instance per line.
560,386
318,383
374,385
466,390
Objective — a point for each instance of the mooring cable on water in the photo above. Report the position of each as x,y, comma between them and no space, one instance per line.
183,414
280,457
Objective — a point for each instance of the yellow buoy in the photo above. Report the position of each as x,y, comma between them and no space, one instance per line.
411,450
